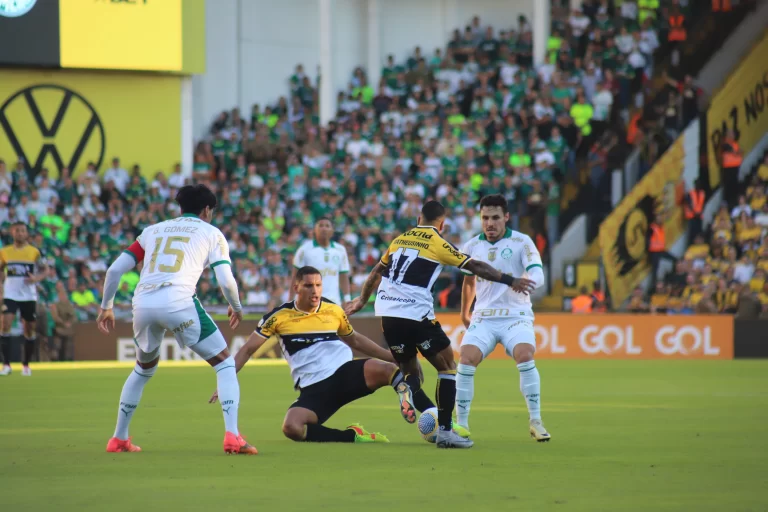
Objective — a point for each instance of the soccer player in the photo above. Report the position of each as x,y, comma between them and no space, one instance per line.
19,261
404,277
501,315
177,250
316,338
329,258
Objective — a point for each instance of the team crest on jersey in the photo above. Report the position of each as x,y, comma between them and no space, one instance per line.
327,257
506,253
492,253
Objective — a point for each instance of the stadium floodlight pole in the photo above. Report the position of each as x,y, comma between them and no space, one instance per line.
541,29
325,71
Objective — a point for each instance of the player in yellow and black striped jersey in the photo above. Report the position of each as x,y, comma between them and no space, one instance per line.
405,278
20,261
317,338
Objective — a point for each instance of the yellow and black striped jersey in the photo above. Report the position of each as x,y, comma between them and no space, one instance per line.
414,260
310,340
19,263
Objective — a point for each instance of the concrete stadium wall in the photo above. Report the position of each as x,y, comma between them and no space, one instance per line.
253,46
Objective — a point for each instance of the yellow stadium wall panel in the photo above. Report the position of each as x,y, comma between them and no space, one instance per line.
58,119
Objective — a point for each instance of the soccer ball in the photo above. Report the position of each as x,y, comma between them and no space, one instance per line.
428,425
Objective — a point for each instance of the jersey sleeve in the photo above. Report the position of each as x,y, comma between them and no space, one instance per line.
385,258
467,249
345,327
2,256
298,258
219,253
344,267
136,251
267,326
448,254
530,255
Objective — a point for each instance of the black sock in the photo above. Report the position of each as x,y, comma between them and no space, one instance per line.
446,398
413,382
320,434
5,344
29,349
421,401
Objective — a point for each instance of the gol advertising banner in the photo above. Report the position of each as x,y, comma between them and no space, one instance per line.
623,234
742,106
58,119
569,336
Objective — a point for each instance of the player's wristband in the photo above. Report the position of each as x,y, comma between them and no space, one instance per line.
347,298
507,280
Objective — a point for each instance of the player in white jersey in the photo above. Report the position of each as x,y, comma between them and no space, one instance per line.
501,315
175,253
329,258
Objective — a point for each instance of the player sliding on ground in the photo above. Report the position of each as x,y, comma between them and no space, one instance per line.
316,337
404,300
501,315
179,250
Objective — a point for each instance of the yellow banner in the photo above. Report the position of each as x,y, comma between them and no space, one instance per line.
109,34
59,119
742,106
623,234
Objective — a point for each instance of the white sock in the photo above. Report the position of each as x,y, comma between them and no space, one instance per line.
465,391
530,387
229,393
130,397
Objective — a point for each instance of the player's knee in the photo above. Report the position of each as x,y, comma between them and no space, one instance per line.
378,373
470,355
524,352
293,431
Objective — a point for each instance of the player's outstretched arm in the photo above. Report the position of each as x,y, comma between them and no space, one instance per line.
370,284
367,346
246,351
468,288
485,271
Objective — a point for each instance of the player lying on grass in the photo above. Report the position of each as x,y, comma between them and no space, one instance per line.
502,314
165,301
316,338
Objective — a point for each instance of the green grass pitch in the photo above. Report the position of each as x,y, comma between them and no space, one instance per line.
627,436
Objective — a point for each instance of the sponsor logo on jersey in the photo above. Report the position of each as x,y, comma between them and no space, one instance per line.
506,253
418,234
383,296
528,252
451,249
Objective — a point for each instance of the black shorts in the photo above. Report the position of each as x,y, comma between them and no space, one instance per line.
405,337
28,308
329,395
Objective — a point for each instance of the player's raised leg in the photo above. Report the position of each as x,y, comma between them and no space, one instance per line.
530,387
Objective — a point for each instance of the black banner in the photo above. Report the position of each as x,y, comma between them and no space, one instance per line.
29,33
749,340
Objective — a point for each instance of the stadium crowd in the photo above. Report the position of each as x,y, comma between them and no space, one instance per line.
471,118
724,269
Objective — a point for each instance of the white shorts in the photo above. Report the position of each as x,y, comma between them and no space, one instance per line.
485,333
191,326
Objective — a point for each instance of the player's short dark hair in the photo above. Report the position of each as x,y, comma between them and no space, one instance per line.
306,271
432,210
320,219
194,198
492,200
19,223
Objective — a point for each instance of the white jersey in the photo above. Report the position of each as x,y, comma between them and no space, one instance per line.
176,253
514,254
331,261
